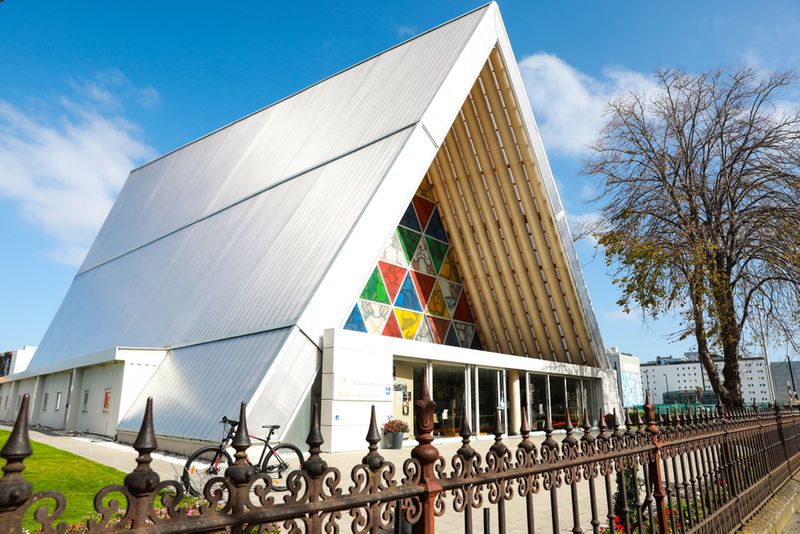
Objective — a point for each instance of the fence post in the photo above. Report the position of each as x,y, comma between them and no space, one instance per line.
427,455
654,467
14,489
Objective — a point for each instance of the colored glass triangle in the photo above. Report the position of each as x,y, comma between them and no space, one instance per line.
435,227
409,219
448,269
424,209
392,277
438,328
436,303
422,261
392,329
393,253
375,290
424,284
451,292
476,342
408,322
438,251
407,296
464,331
409,239
452,338
425,189
374,315
424,332
355,321
463,312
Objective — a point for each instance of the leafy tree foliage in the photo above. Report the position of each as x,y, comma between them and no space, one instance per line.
701,207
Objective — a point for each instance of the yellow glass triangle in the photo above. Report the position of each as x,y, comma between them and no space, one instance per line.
436,303
408,321
426,189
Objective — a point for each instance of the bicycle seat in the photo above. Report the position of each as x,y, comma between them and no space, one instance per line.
272,427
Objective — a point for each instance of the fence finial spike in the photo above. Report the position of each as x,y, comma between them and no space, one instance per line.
465,432
241,440
18,446
373,460
14,489
146,439
315,465
241,472
143,480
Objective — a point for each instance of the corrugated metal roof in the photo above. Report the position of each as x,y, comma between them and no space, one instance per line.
248,268
355,107
195,386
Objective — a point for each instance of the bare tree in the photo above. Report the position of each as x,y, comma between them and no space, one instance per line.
701,207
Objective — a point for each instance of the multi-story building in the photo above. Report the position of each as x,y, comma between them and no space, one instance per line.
686,373
629,377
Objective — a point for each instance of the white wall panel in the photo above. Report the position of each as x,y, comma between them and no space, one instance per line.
52,415
92,417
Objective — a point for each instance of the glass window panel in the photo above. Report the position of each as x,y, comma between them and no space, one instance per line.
574,400
491,398
537,394
558,401
449,389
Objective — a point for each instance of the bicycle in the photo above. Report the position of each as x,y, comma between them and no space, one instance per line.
209,462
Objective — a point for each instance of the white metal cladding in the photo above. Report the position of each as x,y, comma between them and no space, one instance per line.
344,112
248,268
54,413
92,417
6,401
195,386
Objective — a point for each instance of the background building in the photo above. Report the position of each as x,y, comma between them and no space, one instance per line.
685,373
629,377
782,379
16,361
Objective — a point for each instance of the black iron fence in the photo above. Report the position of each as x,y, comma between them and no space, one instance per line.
693,470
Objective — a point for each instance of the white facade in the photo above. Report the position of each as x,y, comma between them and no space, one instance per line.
90,395
629,376
688,374
237,254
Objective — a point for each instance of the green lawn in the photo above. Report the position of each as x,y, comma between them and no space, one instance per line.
75,477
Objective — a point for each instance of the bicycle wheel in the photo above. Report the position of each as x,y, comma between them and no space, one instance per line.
201,466
280,461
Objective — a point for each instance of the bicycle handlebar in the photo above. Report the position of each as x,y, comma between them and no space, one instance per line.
226,421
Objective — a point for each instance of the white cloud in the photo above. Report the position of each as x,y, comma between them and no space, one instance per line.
569,104
404,32
64,165
583,226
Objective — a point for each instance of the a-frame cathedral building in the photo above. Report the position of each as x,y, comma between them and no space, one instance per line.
396,220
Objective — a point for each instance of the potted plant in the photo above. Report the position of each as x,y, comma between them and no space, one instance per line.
394,429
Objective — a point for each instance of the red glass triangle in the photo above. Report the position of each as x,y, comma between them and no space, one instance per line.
392,277
462,312
424,209
392,328
438,328
424,285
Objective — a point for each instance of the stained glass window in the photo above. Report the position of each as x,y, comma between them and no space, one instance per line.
415,290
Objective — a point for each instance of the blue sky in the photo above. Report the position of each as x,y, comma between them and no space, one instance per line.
87,92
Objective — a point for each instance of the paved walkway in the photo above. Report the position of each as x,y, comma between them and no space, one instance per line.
123,457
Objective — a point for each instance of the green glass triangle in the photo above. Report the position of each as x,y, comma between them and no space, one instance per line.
409,239
438,251
375,290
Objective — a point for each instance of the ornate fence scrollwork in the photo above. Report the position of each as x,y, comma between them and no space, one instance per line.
672,471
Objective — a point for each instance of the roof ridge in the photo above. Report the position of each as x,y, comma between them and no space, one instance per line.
306,88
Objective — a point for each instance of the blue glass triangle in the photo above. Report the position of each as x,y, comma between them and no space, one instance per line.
409,219
355,321
476,342
407,296
435,227
452,337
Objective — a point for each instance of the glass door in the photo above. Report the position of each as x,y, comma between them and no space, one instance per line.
490,398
